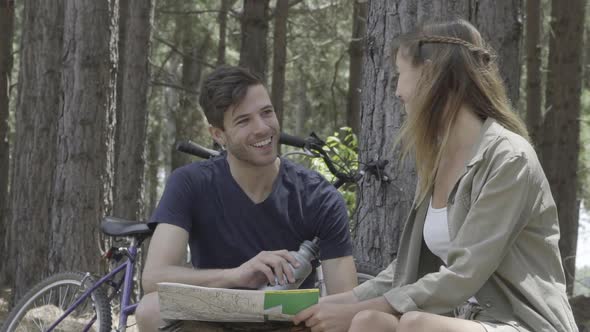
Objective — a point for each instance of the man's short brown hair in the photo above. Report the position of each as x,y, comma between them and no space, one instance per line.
222,88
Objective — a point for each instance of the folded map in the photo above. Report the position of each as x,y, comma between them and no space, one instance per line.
187,302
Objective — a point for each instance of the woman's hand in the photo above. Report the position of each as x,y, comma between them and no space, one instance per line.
327,316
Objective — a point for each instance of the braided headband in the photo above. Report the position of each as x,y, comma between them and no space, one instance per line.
429,39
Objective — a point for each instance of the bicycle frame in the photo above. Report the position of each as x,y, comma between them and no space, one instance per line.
126,308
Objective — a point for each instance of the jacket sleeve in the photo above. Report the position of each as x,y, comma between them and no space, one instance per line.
492,224
377,286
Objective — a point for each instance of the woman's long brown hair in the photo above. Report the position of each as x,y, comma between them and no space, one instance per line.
458,69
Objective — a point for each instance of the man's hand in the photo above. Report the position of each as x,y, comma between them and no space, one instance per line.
328,317
266,267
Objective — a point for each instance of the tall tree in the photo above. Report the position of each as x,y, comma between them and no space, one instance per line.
356,48
382,206
253,49
133,78
559,144
534,116
6,28
189,121
279,58
82,194
34,153
222,20
500,25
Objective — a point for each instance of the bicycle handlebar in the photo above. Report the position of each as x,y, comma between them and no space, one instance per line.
292,140
195,149
313,144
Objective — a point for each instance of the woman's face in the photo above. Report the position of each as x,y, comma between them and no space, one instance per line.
407,79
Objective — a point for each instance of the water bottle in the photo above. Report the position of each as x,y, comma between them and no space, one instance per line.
308,251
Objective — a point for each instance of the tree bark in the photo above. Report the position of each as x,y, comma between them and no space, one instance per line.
189,121
382,207
132,90
222,20
6,32
534,116
83,178
356,49
559,144
253,49
279,58
34,153
500,25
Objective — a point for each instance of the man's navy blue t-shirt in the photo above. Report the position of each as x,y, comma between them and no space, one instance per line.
227,229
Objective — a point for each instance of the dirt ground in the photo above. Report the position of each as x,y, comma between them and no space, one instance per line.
5,295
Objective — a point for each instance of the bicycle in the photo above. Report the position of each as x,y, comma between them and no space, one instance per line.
71,301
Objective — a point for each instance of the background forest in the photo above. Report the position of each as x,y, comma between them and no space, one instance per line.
94,95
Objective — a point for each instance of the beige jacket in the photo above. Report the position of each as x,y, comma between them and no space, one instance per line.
504,250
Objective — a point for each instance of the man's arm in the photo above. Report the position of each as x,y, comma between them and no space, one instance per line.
165,263
339,274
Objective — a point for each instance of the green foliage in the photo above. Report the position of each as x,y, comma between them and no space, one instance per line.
582,285
342,147
584,154
319,33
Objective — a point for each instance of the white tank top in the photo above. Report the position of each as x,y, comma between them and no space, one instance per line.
436,234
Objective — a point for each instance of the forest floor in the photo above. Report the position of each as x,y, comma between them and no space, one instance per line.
4,296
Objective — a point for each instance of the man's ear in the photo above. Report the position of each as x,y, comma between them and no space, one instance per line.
218,135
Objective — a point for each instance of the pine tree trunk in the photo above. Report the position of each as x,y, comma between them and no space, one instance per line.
500,25
534,116
34,153
189,121
382,207
559,144
279,58
356,49
133,79
222,19
83,178
253,49
6,30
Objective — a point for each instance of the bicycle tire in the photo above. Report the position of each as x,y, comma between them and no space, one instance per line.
27,312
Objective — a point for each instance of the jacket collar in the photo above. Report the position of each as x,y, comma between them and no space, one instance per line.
489,134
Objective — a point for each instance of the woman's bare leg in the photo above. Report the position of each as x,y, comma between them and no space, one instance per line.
423,321
370,320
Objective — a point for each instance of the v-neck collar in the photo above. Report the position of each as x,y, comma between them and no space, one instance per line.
241,191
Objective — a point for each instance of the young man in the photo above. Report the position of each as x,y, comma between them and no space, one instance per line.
242,212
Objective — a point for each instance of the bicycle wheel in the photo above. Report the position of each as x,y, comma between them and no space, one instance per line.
50,298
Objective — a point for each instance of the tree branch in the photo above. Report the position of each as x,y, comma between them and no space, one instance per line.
174,86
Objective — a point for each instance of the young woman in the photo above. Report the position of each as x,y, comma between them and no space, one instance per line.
479,251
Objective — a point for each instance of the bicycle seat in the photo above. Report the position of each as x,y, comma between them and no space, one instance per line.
121,227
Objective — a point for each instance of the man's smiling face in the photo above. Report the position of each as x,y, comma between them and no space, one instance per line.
251,129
